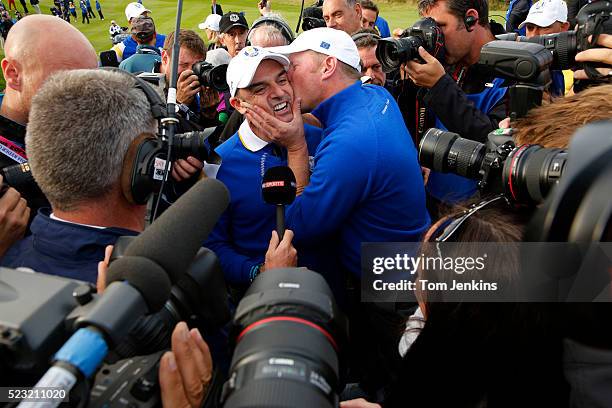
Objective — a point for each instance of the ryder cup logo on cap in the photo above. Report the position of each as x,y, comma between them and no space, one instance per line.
233,18
328,41
243,66
545,12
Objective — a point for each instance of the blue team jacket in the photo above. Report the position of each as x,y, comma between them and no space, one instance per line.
131,45
366,185
242,234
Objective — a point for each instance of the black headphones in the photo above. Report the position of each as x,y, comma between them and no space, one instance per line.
470,21
277,22
138,178
359,36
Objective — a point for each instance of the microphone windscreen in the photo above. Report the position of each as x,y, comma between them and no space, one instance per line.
279,186
173,240
143,274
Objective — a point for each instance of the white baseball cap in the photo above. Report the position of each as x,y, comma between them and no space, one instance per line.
211,22
243,66
324,40
545,12
218,56
134,10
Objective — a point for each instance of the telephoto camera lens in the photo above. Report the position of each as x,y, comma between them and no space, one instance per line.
447,152
393,52
530,171
211,76
289,338
192,144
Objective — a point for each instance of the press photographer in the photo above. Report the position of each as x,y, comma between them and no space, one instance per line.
449,95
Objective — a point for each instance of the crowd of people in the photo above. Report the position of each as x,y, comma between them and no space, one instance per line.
321,104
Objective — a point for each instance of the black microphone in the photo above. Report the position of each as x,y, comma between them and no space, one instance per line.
173,240
279,188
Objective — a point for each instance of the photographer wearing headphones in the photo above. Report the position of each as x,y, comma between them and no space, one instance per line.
366,41
452,96
79,168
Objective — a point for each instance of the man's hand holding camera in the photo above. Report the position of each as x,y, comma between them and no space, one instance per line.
603,55
14,215
424,75
187,87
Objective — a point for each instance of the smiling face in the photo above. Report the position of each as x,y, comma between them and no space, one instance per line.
270,90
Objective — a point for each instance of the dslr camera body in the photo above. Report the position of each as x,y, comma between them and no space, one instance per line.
391,53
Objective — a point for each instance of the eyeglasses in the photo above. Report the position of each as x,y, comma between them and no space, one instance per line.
452,224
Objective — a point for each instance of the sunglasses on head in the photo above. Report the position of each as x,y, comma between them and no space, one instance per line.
446,230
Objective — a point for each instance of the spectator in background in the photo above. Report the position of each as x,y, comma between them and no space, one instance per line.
84,13
216,8
18,15
11,5
128,47
211,27
72,9
24,5
369,13
6,23
90,12
516,14
383,27
366,41
99,8
114,29
143,32
342,15
233,27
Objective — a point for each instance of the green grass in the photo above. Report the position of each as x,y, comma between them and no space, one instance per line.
398,14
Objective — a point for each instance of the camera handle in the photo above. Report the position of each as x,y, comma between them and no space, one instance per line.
524,97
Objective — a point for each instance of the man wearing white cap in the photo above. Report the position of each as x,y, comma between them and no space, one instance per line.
256,77
211,26
128,47
546,17
366,185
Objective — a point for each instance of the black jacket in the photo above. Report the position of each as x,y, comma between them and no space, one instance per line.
218,11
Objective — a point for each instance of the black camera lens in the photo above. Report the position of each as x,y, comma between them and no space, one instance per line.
530,171
447,152
391,53
289,337
191,144
211,76
563,47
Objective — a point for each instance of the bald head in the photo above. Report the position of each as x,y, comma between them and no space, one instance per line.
50,39
36,47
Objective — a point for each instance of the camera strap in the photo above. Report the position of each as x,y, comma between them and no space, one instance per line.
12,150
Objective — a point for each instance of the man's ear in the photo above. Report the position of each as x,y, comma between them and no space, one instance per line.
472,13
358,9
565,26
329,67
237,104
11,70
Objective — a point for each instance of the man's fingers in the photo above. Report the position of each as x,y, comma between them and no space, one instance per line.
425,55
274,241
581,74
190,364
297,108
205,352
172,392
287,237
596,55
195,162
10,199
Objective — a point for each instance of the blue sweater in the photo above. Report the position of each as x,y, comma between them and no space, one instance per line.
61,248
242,234
367,184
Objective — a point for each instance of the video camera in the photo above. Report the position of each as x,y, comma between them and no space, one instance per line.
524,174
391,53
